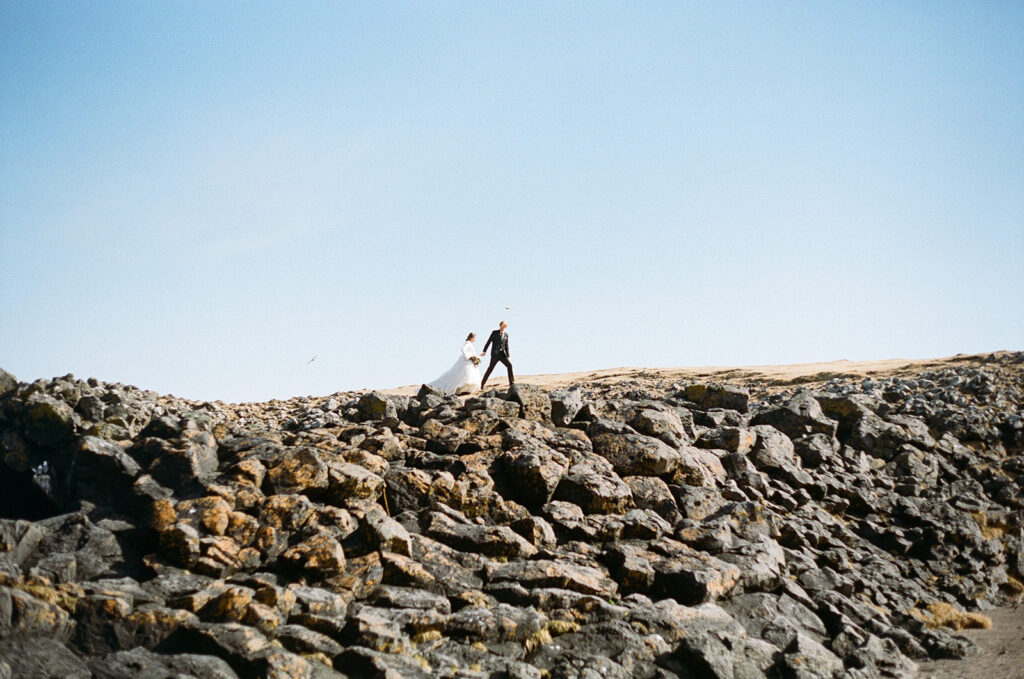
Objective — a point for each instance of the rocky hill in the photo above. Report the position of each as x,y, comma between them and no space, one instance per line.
644,528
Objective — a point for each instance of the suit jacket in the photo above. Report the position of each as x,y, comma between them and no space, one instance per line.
500,341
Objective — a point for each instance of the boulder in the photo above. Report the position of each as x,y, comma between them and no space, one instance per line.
180,463
140,663
565,403
542,573
630,453
494,541
654,494
595,488
534,403
530,473
351,484
8,383
802,415
91,549
376,406
104,471
25,616
664,423
39,656
708,396
49,422
300,470
319,554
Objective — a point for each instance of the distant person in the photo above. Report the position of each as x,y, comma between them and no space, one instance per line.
498,338
463,374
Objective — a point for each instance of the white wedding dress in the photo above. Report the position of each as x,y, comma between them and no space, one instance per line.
462,374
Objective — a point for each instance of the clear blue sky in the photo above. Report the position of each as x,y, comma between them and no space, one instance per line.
198,197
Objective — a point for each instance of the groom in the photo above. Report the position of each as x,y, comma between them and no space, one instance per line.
499,338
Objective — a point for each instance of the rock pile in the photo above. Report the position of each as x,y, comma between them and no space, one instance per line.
645,529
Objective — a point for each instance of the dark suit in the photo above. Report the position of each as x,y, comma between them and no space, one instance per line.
500,354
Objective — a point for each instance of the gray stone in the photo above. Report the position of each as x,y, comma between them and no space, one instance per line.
709,396
565,403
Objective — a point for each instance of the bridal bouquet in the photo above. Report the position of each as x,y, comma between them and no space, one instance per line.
476,360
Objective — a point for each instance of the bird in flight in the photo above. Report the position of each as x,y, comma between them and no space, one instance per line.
312,359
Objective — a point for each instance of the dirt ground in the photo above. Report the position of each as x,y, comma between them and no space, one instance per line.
999,653
781,375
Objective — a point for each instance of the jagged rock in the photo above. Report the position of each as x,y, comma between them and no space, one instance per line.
147,625
533,401
708,396
815,449
319,553
805,658
179,462
8,383
801,416
559,574
396,569
595,487
689,576
104,471
772,449
630,453
707,640
18,541
298,639
377,406
301,470
536,531
374,628
500,623
388,534
697,502
496,541
366,662
503,545
776,619
245,649
39,656
664,423
22,615
91,550
388,596
350,483
531,473
762,563
49,422
654,494
96,618
732,439
140,663
565,403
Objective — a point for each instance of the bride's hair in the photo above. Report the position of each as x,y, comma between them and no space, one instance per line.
470,336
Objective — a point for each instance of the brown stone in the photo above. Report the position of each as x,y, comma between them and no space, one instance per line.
299,471
228,606
349,482
180,544
242,528
321,553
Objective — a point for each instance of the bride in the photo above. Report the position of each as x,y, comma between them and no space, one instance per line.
463,374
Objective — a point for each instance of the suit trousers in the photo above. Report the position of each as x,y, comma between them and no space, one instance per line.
495,360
